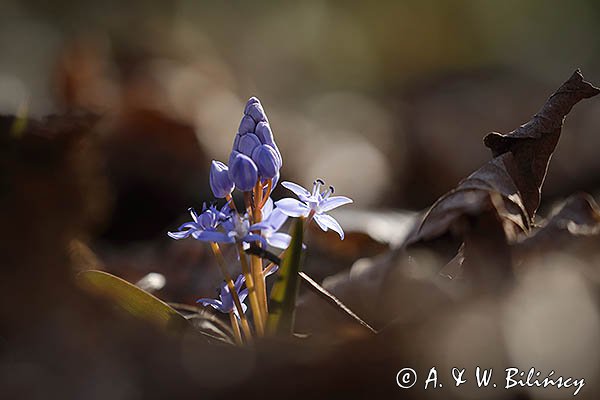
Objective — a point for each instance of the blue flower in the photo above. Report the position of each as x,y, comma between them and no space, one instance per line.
314,205
272,222
225,303
204,226
220,182
237,228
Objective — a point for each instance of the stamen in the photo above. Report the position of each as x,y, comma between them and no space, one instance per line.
317,186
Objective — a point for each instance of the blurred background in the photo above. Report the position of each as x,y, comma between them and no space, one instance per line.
387,100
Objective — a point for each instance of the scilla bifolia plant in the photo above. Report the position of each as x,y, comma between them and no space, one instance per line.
253,169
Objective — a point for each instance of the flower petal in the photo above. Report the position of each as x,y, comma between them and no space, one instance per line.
242,295
255,238
263,226
326,221
334,202
180,234
321,224
277,219
193,214
272,271
209,236
244,308
216,304
279,240
292,207
267,208
298,190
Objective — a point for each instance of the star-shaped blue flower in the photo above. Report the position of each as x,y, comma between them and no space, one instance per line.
225,303
204,226
237,228
314,205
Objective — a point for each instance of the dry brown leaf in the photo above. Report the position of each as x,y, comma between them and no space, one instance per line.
509,185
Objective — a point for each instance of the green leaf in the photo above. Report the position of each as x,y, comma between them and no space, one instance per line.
133,300
282,304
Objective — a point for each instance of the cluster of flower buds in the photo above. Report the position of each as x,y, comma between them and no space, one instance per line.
254,155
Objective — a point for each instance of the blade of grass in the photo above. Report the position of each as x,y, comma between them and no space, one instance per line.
315,288
133,300
285,289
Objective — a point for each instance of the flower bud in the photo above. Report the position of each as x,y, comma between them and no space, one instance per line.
248,143
243,171
251,100
267,161
264,133
220,183
255,110
236,143
247,124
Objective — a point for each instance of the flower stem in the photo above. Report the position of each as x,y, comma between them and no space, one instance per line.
255,261
269,186
236,328
254,304
231,203
236,300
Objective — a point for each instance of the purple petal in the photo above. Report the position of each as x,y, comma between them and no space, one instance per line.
193,214
298,190
279,240
180,234
216,304
277,219
244,308
267,208
326,221
188,225
255,238
239,282
227,301
209,236
272,271
334,202
275,180
293,207
321,225
264,225
242,295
